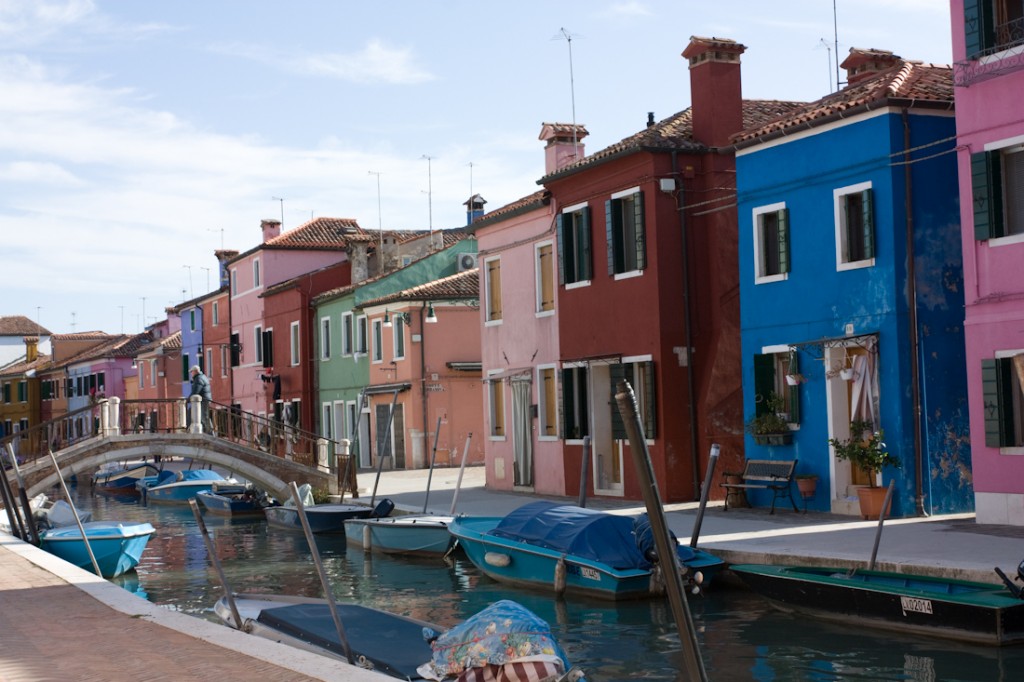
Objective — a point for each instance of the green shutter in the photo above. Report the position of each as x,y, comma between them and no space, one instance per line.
268,348
184,367
868,222
201,361
650,406
764,381
641,235
584,269
610,230
783,234
568,420
979,31
986,186
991,403
617,374
559,231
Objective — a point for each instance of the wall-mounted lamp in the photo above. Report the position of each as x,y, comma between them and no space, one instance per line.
135,363
387,318
431,317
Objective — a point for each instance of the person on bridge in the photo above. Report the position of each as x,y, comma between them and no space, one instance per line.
201,388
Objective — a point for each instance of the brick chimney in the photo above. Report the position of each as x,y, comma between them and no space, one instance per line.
564,145
31,348
863,64
715,89
271,228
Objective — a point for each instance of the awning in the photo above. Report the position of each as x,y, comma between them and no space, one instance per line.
377,389
509,373
591,360
465,366
818,347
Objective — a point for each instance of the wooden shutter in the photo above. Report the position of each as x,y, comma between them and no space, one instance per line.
868,223
764,382
550,404
783,237
617,374
584,268
979,32
794,391
494,289
268,348
236,351
650,406
568,422
611,230
184,367
547,288
201,361
986,183
559,231
641,231
992,403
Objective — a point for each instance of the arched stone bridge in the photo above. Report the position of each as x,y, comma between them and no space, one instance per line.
268,472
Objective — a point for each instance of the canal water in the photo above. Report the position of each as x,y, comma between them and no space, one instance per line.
741,638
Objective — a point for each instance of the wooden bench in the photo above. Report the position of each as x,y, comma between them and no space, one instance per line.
774,475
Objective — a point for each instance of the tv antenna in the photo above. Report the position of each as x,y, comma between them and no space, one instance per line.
221,230
564,34
828,48
281,199
380,224
430,198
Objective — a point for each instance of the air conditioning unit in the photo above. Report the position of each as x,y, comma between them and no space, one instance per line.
467,261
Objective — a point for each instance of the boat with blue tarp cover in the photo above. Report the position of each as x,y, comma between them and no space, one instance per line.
117,545
178,488
967,611
123,479
575,550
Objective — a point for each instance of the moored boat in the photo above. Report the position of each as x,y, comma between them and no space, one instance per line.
324,518
232,498
123,479
574,550
181,488
941,607
117,546
410,534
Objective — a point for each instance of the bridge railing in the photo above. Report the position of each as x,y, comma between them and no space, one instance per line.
54,434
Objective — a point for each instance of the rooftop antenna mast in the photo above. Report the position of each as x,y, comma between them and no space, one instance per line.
828,49
380,225
472,212
430,198
282,210
835,39
572,91
221,230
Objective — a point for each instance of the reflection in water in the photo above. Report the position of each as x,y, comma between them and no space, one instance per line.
741,638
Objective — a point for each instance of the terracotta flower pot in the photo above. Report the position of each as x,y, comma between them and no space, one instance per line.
807,486
871,500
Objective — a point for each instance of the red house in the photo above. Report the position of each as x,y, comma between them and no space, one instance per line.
648,287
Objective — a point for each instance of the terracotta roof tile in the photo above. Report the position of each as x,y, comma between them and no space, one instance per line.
19,325
82,336
675,133
535,200
172,342
318,233
912,82
119,346
20,366
463,285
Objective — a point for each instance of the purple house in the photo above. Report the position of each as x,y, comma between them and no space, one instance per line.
988,50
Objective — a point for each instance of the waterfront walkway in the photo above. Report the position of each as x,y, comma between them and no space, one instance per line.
60,622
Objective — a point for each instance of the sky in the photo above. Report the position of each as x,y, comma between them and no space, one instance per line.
137,138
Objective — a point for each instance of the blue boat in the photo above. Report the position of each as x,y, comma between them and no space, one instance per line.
324,518
123,480
117,546
178,488
411,534
230,498
573,550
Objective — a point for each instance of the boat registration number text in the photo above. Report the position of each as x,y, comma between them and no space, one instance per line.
915,605
583,571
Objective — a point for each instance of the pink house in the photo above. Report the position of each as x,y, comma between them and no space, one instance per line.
316,244
988,50
519,335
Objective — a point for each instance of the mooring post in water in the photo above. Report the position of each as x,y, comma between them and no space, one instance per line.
705,491
30,522
328,592
13,516
462,470
74,511
433,456
881,522
584,469
694,664
215,561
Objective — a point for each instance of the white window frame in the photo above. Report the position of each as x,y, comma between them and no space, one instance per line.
225,359
257,334
234,281
362,336
1011,145
542,404
581,282
838,195
631,192
760,278
377,341
209,362
152,373
192,319
639,395
351,419
325,338
256,281
294,344
326,420
348,339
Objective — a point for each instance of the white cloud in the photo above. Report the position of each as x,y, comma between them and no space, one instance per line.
37,173
632,8
375,63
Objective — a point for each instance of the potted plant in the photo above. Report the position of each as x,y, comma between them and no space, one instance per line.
771,426
866,450
807,484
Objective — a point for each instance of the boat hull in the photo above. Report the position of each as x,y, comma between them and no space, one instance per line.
117,546
394,644
175,493
323,518
525,565
952,609
123,481
414,534
230,504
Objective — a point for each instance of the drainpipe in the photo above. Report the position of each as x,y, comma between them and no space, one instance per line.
915,369
688,334
423,378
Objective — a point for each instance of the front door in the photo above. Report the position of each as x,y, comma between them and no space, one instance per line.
606,451
522,432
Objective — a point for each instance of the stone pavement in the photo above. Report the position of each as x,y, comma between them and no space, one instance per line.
60,622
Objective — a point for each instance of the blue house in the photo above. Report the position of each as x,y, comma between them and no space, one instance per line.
191,313
851,285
